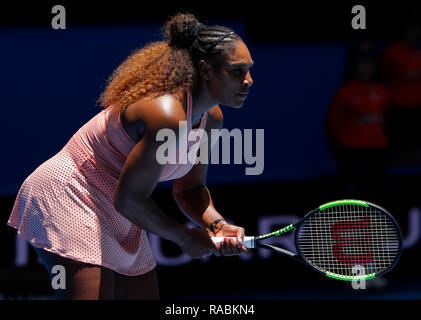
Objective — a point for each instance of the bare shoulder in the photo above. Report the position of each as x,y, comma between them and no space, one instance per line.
156,113
215,118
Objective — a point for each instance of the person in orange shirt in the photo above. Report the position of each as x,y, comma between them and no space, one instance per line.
355,125
402,72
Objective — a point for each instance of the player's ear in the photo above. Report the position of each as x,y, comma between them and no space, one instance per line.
204,69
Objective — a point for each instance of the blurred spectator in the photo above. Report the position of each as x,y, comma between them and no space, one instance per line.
355,126
402,72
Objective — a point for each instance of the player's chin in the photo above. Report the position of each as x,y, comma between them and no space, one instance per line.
237,102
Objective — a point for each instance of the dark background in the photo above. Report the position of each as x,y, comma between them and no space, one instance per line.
51,79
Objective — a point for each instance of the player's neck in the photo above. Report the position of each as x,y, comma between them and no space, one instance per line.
201,102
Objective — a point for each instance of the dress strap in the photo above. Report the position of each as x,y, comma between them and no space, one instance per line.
190,112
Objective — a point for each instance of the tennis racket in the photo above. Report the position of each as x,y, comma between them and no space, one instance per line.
338,236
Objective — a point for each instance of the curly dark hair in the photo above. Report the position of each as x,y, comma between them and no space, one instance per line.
168,66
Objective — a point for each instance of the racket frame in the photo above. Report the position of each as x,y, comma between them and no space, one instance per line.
299,256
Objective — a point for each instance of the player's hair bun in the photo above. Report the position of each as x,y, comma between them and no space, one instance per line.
178,30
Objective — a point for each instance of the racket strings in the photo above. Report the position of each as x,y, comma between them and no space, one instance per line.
343,237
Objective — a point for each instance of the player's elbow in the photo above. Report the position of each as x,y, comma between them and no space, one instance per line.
121,204
128,205
177,194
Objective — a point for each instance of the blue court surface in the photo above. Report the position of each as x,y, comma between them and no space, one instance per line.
377,289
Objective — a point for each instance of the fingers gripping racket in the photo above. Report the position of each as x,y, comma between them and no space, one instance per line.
338,236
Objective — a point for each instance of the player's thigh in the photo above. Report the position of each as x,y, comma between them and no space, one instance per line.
142,287
81,281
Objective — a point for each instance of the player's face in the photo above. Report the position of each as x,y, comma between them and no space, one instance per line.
231,79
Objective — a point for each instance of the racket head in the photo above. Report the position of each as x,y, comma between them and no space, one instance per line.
349,240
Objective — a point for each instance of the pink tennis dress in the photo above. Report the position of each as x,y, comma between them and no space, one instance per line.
66,205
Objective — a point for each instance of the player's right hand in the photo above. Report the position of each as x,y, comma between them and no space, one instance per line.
198,244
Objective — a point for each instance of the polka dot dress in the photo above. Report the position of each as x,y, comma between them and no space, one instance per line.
66,205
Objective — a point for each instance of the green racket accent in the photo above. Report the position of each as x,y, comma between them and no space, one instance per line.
350,278
342,202
275,233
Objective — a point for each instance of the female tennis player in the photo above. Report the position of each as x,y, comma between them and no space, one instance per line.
88,208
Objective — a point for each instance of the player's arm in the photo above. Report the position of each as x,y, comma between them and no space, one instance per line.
142,171
194,199
190,191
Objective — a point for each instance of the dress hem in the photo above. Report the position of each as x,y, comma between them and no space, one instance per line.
103,264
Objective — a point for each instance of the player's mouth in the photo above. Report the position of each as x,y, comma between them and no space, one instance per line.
243,94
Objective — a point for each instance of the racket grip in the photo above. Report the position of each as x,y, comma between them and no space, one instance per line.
248,242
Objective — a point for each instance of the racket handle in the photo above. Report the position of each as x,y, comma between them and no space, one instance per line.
248,242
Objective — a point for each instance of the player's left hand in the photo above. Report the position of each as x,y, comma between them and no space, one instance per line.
230,247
